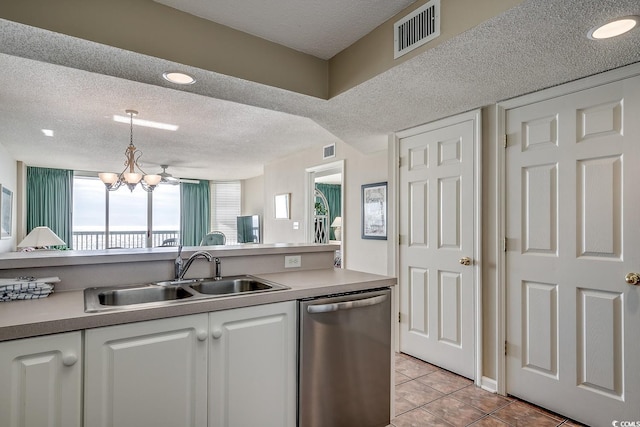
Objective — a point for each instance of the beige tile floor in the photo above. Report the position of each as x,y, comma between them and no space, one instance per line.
429,396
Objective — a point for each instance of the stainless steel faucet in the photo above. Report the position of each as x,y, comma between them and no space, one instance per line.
183,269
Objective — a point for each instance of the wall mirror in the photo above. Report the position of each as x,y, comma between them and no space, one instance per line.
282,206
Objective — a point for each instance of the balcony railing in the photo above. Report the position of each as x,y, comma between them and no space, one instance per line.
93,240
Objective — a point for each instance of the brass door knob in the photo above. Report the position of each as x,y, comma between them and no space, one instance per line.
632,278
465,260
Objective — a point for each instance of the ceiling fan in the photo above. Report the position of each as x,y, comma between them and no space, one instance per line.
167,178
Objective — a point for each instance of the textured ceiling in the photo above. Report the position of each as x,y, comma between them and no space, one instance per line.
230,127
319,28
216,138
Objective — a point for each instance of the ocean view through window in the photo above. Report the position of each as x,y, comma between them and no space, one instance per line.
123,219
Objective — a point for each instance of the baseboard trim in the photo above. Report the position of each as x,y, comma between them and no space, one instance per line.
489,384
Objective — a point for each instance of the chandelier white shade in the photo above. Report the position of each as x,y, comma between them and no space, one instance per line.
129,176
40,237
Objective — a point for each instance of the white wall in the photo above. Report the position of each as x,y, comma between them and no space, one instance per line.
253,199
8,178
363,255
253,196
288,175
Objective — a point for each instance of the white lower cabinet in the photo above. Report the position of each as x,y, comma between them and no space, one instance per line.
232,368
147,374
41,381
252,366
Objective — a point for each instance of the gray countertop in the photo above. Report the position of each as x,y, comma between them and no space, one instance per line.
64,311
12,260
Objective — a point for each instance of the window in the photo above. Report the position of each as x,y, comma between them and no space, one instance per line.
89,207
225,208
127,218
166,215
123,219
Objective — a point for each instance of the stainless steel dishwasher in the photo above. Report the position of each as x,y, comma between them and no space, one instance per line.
345,360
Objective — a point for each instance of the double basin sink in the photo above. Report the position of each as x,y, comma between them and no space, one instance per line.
169,292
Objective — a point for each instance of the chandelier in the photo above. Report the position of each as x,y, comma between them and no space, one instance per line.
129,176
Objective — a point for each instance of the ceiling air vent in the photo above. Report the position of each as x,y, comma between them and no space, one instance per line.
417,28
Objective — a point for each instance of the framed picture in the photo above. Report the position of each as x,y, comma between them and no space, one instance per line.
6,205
374,211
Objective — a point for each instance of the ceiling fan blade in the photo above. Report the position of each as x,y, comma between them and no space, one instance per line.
167,178
189,181
169,182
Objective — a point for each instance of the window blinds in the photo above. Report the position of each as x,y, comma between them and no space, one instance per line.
225,208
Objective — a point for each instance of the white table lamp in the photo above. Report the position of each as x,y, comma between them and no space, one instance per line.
337,224
41,237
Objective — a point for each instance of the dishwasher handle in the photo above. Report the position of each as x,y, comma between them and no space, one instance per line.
347,305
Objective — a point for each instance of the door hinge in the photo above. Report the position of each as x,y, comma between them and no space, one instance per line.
399,317
399,162
504,244
505,348
504,140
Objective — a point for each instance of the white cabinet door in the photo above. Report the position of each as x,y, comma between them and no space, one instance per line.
40,381
252,368
147,374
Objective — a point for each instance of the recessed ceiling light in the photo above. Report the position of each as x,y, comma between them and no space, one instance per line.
47,132
145,123
614,28
179,78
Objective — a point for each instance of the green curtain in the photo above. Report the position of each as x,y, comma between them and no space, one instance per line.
195,204
332,193
49,200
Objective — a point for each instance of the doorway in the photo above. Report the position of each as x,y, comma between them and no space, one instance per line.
571,238
439,243
325,207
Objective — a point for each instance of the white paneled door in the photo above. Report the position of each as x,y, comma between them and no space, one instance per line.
573,230
437,243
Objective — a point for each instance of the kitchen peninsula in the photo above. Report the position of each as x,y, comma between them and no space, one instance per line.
221,361
77,270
